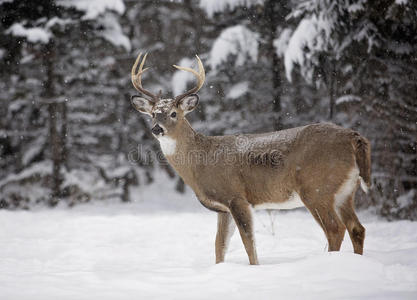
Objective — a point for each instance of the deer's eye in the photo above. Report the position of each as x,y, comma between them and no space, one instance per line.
173,114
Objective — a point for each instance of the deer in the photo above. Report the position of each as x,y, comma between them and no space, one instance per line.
318,166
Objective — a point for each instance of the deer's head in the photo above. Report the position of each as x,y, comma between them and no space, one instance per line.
166,114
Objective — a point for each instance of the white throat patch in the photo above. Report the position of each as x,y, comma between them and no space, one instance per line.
168,145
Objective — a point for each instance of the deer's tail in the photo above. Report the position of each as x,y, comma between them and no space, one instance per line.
363,160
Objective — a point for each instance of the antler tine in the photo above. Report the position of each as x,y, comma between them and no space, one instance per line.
137,77
201,76
202,72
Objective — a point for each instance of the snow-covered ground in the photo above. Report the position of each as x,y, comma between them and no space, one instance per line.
162,247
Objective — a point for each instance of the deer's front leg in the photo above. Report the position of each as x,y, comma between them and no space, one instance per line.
242,214
225,229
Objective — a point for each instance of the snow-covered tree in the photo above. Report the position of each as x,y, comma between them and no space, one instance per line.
244,55
48,53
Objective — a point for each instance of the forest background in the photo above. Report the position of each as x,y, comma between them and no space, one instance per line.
68,133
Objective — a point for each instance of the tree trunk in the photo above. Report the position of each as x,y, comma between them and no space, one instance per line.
64,134
55,138
56,154
272,21
332,80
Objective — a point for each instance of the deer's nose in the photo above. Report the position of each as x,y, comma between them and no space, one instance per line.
156,130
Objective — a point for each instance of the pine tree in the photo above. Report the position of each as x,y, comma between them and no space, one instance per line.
40,33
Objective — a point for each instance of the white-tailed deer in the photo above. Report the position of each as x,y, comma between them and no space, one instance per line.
319,166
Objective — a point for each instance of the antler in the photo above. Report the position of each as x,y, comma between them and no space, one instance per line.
136,77
201,76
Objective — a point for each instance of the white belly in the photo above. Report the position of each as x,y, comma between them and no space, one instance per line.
293,201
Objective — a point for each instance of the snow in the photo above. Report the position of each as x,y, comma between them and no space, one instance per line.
94,8
161,246
301,37
33,35
119,171
84,181
33,149
347,99
113,32
355,8
312,33
406,199
238,90
17,105
40,168
57,21
213,6
281,43
236,40
367,33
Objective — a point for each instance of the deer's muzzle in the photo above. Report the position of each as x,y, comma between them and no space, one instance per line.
156,130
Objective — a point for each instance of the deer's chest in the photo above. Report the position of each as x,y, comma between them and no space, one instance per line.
168,145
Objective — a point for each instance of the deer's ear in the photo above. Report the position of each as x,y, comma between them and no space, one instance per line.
143,105
189,103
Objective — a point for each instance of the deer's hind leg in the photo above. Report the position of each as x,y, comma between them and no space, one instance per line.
327,218
225,229
356,231
332,226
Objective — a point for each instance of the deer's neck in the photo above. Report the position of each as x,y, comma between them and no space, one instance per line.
178,146
174,143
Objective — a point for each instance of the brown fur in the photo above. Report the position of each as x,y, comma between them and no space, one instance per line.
231,174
